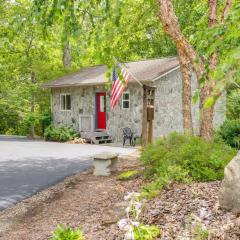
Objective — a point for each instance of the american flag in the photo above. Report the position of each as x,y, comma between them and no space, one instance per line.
117,85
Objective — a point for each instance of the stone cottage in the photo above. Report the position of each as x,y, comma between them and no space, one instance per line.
82,101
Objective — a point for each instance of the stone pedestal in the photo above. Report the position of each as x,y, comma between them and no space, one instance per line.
105,163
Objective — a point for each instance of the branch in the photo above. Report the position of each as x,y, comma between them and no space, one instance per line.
172,28
212,12
226,10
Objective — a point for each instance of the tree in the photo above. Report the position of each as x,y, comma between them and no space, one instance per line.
200,65
27,60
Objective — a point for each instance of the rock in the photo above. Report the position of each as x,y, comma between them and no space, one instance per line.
105,163
229,197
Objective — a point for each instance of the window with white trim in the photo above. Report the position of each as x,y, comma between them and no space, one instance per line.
65,102
125,100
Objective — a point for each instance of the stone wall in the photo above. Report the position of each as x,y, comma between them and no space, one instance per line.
168,107
83,103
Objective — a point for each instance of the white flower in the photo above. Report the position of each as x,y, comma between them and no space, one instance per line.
131,196
129,234
123,224
138,205
135,224
128,210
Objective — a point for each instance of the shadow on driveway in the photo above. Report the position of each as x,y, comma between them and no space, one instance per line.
21,179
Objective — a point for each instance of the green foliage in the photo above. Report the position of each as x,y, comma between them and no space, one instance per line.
224,39
128,175
145,232
233,104
67,233
229,132
60,134
179,157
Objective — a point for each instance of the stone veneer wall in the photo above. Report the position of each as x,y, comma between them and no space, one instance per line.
168,107
83,102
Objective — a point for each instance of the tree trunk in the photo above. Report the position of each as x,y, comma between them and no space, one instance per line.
206,114
66,54
33,80
186,93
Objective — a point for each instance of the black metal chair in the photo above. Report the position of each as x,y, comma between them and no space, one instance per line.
128,134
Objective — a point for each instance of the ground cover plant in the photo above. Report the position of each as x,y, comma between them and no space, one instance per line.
128,175
60,134
67,233
184,158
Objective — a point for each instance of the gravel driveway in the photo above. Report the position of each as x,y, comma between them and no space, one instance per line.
27,167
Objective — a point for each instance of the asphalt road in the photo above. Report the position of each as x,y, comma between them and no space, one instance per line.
27,167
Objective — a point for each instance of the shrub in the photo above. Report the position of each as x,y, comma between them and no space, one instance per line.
60,134
179,157
68,233
229,132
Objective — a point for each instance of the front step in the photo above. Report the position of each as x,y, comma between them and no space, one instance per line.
97,137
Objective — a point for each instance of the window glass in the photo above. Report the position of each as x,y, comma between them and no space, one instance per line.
125,96
101,103
68,102
62,102
65,102
125,104
125,100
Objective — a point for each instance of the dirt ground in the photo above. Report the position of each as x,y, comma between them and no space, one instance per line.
96,204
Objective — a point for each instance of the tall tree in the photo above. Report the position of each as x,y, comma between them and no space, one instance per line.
172,28
186,92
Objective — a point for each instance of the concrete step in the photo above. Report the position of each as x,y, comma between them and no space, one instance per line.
97,137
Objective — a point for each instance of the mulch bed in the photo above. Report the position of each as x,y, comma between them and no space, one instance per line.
96,204
173,209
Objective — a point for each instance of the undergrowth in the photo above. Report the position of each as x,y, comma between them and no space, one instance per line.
183,158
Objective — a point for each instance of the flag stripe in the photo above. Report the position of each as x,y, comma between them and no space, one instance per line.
118,86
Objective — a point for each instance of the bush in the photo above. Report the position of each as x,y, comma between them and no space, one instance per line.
60,134
229,132
68,233
179,157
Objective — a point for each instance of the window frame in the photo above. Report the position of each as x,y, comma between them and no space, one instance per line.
65,95
124,100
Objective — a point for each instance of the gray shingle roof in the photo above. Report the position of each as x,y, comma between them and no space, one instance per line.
144,71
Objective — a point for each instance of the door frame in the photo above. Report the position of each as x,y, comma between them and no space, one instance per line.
96,111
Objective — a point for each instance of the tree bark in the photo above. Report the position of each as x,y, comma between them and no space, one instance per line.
186,93
226,10
66,54
172,28
33,80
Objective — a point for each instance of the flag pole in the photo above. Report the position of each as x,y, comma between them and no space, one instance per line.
134,77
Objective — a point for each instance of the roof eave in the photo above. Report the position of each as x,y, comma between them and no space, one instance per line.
73,85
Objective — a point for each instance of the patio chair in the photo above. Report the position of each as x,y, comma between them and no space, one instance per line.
128,134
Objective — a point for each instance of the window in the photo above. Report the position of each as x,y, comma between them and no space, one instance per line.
65,102
125,100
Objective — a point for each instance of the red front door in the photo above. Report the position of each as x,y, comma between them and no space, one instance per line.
101,110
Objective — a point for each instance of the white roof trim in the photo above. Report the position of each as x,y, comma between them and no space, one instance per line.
166,73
